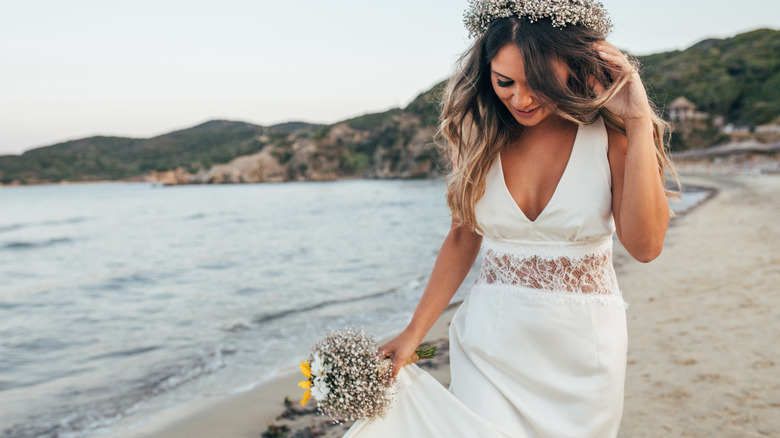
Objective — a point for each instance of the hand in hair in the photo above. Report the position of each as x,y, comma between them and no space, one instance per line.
630,101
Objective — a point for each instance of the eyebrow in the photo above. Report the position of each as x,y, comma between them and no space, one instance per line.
502,75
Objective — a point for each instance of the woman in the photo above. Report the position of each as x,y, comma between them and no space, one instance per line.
554,147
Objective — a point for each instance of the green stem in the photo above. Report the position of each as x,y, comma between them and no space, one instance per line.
426,352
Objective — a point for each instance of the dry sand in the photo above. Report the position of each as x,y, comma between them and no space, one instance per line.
704,321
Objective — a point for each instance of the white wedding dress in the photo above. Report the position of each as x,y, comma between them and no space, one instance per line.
538,347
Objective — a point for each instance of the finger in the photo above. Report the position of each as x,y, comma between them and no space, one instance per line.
614,57
603,46
611,58
619,60
397,364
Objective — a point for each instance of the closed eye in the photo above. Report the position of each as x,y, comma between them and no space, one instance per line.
503,84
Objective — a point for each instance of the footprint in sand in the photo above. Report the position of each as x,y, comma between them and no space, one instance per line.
713,378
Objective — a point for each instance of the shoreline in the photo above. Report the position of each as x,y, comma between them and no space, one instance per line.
716,161
251,412
689,373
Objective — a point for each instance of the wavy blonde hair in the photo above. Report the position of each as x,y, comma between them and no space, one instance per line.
476,125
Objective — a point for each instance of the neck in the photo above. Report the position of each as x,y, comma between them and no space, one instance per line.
552,123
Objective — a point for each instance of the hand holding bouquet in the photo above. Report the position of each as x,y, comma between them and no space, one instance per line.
347,377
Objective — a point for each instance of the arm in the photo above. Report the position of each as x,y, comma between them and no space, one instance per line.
638,200
456,256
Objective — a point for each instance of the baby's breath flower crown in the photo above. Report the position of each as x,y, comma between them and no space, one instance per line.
586,13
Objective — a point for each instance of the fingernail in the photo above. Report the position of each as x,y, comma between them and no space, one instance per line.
602,53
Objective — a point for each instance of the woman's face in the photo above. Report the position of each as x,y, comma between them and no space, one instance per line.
508,78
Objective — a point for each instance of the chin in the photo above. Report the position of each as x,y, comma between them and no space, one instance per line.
533,119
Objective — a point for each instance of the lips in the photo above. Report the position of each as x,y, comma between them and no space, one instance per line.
530,113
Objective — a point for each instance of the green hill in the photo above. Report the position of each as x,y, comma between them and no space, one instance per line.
116,158
737,78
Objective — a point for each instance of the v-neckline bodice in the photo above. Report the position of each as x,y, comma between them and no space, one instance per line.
557,185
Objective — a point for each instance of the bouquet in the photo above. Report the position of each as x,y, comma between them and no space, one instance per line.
348,379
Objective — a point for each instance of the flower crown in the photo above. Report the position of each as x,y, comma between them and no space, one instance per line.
587,13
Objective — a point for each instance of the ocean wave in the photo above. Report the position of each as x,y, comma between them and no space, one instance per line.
16,226
202,366
6,228
70,419
238,327
54,375
217,265
21,245
120,282
259,319
43,344
125,353
9,305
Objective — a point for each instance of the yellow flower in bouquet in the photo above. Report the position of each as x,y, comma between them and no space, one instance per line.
306,370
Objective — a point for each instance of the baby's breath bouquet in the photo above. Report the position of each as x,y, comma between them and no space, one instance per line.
347,377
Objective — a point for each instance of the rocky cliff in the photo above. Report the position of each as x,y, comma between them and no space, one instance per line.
394,144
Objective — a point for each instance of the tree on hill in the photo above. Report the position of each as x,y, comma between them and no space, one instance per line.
738,77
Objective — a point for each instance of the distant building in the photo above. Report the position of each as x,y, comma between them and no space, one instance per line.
733,129
772,128
682,109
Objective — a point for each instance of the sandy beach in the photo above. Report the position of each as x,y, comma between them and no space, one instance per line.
705,317
703,323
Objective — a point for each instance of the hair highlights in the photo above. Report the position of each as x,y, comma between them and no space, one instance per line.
476,125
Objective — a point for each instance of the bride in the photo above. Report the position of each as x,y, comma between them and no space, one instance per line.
554,147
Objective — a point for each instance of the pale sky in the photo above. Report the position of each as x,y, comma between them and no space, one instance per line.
76,68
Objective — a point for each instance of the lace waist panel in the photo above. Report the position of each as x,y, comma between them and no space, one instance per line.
582,268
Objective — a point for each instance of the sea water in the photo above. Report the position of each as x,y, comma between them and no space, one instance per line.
125,299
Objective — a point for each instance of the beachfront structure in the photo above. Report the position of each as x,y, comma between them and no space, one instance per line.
772,128
732,129
682,109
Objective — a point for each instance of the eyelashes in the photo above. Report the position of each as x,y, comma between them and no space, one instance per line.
503,84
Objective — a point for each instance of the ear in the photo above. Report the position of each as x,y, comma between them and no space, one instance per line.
596,85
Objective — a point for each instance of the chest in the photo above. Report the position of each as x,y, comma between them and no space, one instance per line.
563,198
533,170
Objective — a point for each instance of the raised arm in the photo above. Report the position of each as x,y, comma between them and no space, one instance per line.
638,200
456,256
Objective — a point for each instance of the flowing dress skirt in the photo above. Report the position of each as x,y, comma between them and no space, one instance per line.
524,363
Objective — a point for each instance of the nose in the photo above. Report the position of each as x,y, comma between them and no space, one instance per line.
522,98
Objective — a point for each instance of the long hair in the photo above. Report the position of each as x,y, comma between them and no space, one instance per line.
477,125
